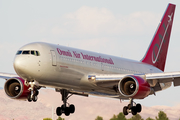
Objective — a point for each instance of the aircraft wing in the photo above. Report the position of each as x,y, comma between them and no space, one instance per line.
164,77
158,81
7,75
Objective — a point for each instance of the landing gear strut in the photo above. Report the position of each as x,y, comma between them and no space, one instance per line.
34,92
132,109
64,108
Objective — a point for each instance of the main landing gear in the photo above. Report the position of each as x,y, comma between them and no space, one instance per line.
34,92
132,109
66,108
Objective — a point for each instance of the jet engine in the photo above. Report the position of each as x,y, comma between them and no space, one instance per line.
15,88
134,87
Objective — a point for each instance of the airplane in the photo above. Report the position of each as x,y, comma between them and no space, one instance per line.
72,71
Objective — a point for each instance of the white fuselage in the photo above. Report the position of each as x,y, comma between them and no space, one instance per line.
64,67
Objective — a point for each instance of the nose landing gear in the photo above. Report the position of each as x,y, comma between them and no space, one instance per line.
34,92
132,109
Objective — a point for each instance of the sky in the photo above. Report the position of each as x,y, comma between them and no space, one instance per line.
120,28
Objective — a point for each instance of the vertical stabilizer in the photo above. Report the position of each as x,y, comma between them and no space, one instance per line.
157,51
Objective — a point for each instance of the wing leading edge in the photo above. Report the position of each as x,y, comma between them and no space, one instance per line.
7,75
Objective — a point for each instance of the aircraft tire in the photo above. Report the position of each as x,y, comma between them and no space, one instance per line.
29,98
62,107
34,98
36,93
125,110
72,108
59,111
133,110
129,106
67,111
138,108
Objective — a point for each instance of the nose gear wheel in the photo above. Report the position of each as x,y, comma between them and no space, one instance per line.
34,92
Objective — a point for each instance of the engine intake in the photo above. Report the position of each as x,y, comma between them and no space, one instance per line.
134,87
16,89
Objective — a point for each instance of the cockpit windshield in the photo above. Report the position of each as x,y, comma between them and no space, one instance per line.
28,52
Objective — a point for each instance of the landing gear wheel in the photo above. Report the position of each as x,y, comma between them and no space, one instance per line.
66,108
59,111
33,91
34,98
133,110
138,108
125,110
29,98
71,108
36,92
67,111
129,106
62,107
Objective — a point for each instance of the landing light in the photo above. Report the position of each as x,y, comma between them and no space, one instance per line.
92,78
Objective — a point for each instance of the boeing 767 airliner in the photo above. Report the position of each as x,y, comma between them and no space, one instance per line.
73,71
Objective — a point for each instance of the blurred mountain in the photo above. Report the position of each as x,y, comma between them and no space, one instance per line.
87,108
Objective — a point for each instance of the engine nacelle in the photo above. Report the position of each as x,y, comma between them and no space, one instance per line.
134,87
16,89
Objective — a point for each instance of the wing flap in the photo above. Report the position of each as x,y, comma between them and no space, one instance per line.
164,77
176,82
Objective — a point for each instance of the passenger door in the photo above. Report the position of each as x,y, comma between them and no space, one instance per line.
53,55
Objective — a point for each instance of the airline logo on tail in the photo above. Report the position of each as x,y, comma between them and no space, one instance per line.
155,55
157,51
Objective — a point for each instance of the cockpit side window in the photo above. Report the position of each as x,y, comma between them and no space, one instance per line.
19,52
37,53
26,52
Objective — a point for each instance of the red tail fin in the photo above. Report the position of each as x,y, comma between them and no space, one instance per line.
157,51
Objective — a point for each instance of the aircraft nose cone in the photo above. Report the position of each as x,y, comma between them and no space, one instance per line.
20,65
